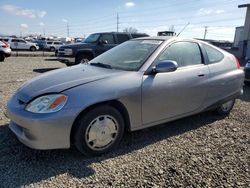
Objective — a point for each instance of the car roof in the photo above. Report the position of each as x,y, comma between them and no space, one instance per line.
119,33
167,38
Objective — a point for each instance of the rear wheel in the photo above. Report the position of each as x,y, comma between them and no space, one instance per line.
99,130
2,57
82,59
225,108
32,48
52,49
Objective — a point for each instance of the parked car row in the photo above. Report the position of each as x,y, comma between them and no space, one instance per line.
20,44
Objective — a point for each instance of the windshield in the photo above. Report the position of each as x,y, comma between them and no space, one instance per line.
91,38
129,56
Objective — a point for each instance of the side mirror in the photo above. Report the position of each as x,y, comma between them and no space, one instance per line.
103,42
165,66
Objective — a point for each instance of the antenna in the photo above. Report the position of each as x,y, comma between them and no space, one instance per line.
183,29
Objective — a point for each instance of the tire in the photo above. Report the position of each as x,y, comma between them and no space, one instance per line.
82,59
86,126
247,83
225,108
33,48
52,49
2,57
68,65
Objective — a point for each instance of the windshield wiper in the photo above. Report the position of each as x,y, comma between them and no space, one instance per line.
98,64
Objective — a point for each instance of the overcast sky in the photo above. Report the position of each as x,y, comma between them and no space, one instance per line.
147,16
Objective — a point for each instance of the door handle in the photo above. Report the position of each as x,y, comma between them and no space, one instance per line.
201,75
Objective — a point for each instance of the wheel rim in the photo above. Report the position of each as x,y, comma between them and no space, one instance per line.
84,61
227,106
101,132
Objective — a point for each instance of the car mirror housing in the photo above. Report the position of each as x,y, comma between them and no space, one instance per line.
102,42
165,66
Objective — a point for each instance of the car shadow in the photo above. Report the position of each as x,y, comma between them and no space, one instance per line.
20,165
51,59
43,70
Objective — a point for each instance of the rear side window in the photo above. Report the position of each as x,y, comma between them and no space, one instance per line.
122,38
214,55
49,42
184,53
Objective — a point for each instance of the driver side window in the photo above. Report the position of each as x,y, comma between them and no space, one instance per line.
184,53
108,37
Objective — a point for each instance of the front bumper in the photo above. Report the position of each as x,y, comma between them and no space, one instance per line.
40,131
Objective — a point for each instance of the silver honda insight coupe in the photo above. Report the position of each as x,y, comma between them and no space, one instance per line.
138,84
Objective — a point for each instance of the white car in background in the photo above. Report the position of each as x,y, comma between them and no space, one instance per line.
20,44
53,45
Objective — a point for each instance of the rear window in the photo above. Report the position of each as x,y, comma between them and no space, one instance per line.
49,42
214,55
136,35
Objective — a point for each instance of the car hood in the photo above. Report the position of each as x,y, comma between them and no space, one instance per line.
77,45
62,79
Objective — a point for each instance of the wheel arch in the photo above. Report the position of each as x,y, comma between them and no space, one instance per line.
85,52
114,103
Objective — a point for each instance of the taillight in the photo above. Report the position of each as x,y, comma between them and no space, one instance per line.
237,61
5,44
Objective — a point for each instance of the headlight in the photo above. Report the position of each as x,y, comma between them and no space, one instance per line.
68,51
47,104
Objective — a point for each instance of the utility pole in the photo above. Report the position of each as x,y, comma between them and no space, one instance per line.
205,33
68,28
117,22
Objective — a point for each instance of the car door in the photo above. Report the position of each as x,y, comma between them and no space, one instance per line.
14,44
22,44
172,94
101,46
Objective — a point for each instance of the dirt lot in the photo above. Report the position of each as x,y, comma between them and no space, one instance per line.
200,151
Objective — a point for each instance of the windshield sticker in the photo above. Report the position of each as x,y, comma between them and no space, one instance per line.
151,42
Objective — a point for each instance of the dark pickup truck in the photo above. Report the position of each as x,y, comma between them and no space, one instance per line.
94,45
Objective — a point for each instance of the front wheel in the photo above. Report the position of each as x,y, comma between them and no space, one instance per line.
99,130
225,108
82,59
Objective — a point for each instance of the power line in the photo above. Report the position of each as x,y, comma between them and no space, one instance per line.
117,22
205,33
68,29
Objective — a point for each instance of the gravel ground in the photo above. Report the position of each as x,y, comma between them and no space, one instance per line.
200,151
